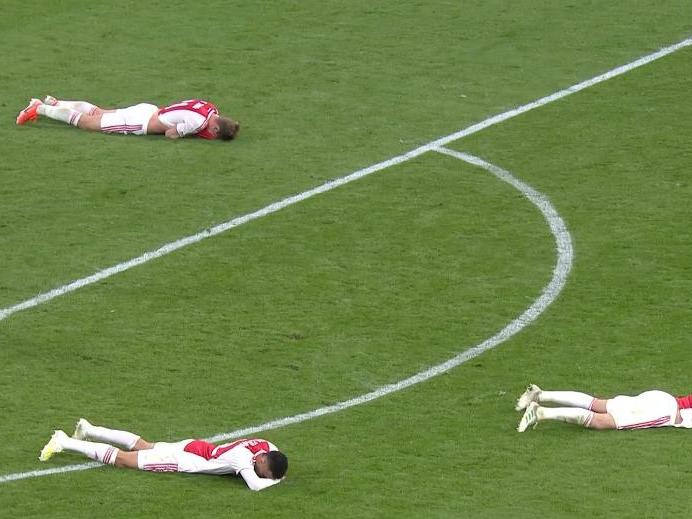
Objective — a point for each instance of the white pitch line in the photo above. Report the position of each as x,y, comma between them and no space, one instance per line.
276,206
563,245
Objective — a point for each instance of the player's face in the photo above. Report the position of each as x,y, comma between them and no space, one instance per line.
262,466
214,126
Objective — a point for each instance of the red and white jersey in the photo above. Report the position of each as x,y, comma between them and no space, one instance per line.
189,117
230,458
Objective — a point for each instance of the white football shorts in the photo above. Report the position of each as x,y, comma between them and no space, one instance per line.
650,409
133,119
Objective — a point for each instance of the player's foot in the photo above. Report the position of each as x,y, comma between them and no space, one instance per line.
29,113
80,431
530,395
53,446
50,100
530,417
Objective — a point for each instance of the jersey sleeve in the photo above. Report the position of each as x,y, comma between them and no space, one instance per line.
191,125
256,483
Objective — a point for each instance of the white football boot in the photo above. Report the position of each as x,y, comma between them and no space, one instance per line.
530,395
80,431
530,417
53,446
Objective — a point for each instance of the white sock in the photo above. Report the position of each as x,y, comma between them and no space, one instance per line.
123,438
568,398
96,451
574,415
79,106
59,113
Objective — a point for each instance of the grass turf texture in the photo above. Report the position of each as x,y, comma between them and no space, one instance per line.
361,286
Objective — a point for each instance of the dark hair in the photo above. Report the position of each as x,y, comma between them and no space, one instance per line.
228,128
278,463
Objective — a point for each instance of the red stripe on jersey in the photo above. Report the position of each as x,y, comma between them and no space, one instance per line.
255,446
218,451
210,451
199,106
200,448
684,402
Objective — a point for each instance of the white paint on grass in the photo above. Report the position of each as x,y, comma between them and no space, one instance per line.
48,472
550,292
562,267
328,186
563,244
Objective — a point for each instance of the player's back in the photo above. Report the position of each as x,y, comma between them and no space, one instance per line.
189,117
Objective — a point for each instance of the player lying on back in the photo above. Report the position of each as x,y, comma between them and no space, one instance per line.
649,409
190,117
257,461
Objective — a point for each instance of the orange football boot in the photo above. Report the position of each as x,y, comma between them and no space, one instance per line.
30,113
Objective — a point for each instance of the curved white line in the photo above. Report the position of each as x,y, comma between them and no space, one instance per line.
563,243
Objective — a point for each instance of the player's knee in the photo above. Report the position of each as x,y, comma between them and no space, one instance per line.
142,444
602,421
90,122
126,459
599,405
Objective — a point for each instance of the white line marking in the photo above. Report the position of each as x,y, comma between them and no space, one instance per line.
272,208
557,226
644,60
563,265
49,472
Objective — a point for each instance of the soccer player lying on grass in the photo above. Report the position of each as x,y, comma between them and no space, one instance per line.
649,409
191,117
257,461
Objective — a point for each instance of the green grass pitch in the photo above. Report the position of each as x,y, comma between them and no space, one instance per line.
359,287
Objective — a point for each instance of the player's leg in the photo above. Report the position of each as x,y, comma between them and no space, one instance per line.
602,421
132,120
562,398
165,457
130,441
84,107
73,117
127,460
66,115
576,415
60,442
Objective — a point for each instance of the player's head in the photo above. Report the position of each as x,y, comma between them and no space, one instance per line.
224,128
272,465
278,464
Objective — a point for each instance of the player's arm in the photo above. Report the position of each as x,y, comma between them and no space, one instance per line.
172,133
256,483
